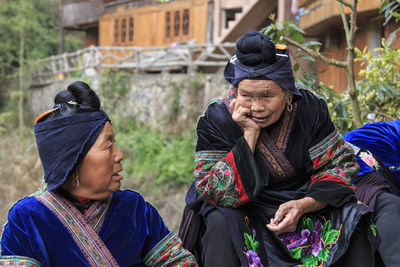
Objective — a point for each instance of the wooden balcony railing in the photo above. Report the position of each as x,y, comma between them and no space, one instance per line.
138,59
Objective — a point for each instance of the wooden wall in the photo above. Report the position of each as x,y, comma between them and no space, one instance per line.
149,24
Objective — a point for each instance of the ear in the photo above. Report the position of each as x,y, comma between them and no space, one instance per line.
289,97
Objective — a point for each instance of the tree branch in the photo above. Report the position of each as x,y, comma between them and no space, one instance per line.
345,3
329,61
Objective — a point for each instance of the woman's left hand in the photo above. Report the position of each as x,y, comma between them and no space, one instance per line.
288,214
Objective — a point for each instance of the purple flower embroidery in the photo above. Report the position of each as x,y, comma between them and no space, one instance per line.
315,239
295,239
253,258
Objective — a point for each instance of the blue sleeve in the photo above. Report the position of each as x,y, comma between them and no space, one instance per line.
156,227
15,239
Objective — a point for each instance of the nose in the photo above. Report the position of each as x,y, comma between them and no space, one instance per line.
257,105
118,156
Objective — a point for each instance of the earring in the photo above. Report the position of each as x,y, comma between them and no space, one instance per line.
289,107
75,182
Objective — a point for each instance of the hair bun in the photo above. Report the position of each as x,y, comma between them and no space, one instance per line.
255,49
84,95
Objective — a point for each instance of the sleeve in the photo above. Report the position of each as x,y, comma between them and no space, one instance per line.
164,248
15,244
334,163
226,172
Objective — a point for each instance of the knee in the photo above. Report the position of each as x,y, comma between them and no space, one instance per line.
215,222
387,203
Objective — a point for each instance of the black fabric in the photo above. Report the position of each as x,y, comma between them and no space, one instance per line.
387,220
331,192
247,165
218,249
369,187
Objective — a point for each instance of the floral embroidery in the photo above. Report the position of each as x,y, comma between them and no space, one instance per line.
252,246
367,157
311,241
169,252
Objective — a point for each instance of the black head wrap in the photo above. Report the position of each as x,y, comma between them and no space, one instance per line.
64,142
257,57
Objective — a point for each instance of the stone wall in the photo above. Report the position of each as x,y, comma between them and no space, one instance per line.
156,100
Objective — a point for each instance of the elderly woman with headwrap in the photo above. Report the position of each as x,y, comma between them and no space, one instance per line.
273,175
82,218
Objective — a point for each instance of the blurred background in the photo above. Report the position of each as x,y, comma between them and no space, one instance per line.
158,63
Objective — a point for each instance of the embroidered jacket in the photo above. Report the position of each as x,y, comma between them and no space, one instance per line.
47,230
303,151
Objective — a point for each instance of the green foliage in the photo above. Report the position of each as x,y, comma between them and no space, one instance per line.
165,158
114,87
379,90
389,8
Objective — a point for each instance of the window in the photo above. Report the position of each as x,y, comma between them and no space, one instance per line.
131,29
116,31
168,25
177,23
123,31
185,22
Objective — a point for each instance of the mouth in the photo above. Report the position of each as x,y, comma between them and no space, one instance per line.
118,176
259,119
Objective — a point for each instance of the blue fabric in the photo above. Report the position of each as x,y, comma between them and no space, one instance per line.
280,72
382,139
63,143
131,229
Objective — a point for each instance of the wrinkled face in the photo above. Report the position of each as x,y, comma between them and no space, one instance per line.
98,173
265,99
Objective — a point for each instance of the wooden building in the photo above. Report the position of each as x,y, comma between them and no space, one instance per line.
322,21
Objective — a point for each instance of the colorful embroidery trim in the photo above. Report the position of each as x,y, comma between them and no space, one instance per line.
81,231
169,252
19,261
251,246
311,242
324,145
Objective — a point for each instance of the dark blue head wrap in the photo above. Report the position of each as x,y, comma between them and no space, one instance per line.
64,142
257,58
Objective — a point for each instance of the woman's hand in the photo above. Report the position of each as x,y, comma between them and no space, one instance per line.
288,214
251,130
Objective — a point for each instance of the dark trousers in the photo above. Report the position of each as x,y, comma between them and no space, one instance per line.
387,220
218,249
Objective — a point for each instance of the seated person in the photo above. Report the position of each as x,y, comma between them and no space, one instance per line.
273,176
378,154
82,218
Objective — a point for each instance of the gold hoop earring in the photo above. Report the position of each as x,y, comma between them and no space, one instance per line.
75,182
290,107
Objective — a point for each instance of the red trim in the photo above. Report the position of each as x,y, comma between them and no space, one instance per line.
328,177
238,181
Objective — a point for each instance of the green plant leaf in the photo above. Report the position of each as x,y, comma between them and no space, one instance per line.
296,253
331,236
325,229
248,241
309,261
323,254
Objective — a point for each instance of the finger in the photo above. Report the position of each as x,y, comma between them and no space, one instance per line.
279,214
232,104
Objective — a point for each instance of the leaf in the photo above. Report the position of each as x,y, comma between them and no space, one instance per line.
256,246
323,254
327,227
373,229
296,67
309,261
391,38
331,236
309,224
296,253
248,242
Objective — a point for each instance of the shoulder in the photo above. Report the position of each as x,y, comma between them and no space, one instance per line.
27,206
131,200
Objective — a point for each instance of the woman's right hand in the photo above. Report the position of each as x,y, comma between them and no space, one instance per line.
251,130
